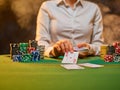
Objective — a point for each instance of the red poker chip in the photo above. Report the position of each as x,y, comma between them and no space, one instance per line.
108,58
117,50
116,44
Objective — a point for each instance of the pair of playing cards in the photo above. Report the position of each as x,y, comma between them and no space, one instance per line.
81,66
70,59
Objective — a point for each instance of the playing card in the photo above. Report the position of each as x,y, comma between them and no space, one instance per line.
91,65
70,57
82,49
72,66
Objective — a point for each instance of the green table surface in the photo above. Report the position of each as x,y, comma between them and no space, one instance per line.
49,75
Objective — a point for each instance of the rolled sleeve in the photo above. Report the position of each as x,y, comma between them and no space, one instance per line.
97,37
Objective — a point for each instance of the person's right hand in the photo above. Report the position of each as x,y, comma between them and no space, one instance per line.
61,47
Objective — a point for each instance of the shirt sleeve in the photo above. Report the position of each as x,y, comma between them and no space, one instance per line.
42,29
97,37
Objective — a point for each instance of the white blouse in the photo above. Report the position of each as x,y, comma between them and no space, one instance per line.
57,21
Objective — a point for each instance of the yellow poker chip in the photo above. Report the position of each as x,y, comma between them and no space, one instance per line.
103,50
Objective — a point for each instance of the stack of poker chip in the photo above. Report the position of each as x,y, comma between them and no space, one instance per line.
26,57
23,47
103,50
113,53
110,50
35,55
41,50
33,43
116,58
14,50
108,58
26,52
117,53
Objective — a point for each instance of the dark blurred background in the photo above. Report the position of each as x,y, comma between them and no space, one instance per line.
18,21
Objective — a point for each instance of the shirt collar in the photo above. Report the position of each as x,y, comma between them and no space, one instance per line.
61,2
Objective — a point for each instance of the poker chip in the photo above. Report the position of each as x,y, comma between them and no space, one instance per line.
113,53
116,58
23,47
117,50
14,49
33,43
30,49
108,58
35,55
110,50
103,50
116,44
26,58
26,52
41,50
17,58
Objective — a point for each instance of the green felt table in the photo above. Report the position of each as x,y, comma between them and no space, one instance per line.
49,75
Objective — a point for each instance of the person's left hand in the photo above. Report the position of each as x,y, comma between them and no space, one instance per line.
60,47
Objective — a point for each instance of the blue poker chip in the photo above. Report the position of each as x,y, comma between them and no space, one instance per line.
17,58
35,55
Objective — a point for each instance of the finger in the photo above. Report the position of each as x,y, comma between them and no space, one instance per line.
57,47
69,46
83,45
62,46
66,47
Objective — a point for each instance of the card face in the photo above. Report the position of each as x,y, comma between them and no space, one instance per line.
70,57
91,65
72,66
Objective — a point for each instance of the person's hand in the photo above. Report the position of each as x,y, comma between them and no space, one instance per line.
61,47
83,54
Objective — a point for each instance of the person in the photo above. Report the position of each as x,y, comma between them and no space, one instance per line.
65,24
